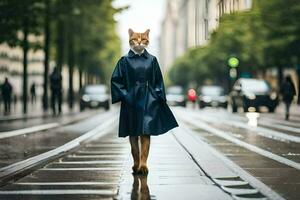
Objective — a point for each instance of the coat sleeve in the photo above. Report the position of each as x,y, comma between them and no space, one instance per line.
118,89
159,82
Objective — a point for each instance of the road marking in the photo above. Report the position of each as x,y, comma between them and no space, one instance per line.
105,152
7,134
248,146
284,122
189,133
258,130
284,125
66,183
95,133
83,169
23,131
121,145
279,126
60,192
97,156
90,162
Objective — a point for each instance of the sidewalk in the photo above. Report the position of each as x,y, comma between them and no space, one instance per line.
33,111
173,175
180,168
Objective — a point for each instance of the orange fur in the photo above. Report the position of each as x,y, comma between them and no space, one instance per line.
140,153
138,41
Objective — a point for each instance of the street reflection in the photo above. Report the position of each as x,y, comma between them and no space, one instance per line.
252,118
140,189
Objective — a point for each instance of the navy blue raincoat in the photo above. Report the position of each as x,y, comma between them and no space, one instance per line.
138,83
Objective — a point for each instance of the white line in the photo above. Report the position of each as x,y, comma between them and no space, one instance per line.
283,127
92,134
90,162
229,163
83,169
59,192
262,121
8,134
121,146
65,183
280,121
250,147
97,156
258,130
104,152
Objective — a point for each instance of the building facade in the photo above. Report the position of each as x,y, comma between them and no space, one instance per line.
11,66
189,23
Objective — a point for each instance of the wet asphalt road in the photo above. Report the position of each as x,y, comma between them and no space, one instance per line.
264,145
259,143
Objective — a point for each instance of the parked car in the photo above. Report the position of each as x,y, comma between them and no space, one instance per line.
93,96
213,96
176,96
248,92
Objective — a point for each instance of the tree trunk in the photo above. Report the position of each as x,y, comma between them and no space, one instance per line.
280,75
298,75
60,44
80,67
71,69
80,78
25,47
46,51
71,62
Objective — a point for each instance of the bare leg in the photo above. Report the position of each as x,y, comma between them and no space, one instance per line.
145,145
134,143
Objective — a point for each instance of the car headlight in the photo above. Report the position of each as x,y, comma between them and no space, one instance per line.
85,98
273,95
250,95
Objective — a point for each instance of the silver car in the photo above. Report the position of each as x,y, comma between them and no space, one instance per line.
176,96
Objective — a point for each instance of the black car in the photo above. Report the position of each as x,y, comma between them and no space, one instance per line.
94,96
213,96
176,96
251,94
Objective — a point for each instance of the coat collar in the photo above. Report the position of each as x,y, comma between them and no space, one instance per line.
132,54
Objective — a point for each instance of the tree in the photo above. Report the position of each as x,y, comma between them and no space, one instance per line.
264,37
21,17
47,21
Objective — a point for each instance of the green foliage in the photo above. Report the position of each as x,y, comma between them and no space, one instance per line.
266,36
15,15
88,25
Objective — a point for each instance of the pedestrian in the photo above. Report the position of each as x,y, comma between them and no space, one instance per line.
288,92
192,96
33,93
6,91
138,84
56,90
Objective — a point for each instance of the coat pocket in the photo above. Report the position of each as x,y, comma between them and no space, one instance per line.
154,94
129,97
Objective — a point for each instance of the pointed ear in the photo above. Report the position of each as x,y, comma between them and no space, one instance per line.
130,32
147,32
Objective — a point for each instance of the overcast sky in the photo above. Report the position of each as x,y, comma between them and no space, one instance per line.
141,15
